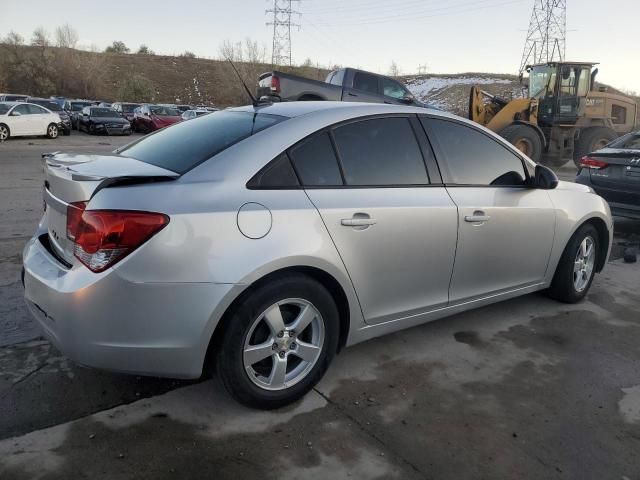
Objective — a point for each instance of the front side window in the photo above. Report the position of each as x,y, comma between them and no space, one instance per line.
365,82
381,151
36,110
472,157
315,161
393,89
185,145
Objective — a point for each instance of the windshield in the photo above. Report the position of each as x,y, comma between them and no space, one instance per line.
185,145
163,111
78,106
129,107
539,80
53,106
4,108
629,141
104,112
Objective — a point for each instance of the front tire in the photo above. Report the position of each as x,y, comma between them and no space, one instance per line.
576,269
52,131
278,343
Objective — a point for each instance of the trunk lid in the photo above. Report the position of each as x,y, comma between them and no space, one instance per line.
76,178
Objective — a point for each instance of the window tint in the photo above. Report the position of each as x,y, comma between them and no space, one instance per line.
36,110
277,174
473,158
185,145
315,161
381,151
337,77
365,82
22,110
393,89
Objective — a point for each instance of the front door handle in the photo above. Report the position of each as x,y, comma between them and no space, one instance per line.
477,217
359,221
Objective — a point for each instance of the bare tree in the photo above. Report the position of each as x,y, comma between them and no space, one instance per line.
40,38
13,39
66,36
144,50
394,70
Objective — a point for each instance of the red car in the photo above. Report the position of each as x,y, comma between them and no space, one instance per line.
149,118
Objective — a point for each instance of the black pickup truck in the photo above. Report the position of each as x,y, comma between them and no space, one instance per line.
345,84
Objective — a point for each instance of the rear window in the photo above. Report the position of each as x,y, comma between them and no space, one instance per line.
185,145
631,141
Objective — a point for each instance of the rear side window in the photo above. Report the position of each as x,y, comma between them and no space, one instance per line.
473,158
315,161
382,151
365,82
336,78
277,174
185,145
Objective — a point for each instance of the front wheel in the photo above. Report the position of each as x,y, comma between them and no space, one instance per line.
576,268
278,343
52,131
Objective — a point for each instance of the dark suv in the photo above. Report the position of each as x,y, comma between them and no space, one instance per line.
56,108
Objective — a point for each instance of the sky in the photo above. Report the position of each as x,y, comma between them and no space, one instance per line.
450,36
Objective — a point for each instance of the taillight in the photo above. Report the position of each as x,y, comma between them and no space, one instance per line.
74,215
588,162
275,83
104,237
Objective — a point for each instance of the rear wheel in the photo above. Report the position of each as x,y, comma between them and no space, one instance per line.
52,131
576,268
590,140
525,139
92,129
278,343
5,133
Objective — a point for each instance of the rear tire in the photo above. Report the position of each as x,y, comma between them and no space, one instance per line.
52,131
257,383
576,268
525,139
591,139
5,132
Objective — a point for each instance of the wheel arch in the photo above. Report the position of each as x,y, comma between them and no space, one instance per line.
332,285
310,97
603,235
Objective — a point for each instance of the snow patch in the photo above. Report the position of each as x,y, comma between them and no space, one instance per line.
424,86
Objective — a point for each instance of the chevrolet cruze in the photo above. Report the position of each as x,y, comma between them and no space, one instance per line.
262,240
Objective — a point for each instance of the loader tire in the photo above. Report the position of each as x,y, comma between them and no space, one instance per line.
525,139
590,140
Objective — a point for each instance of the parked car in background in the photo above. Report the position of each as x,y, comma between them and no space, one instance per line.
58,99
56,108
149,118
345,84
191,114
614,173
184,108
74,108
105,104
27,119
260,241
125,109
10,97
103,120
207,107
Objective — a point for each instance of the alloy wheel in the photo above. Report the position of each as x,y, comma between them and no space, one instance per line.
583,264
52,131
283,344
4,133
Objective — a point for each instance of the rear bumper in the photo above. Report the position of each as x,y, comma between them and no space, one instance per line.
107,322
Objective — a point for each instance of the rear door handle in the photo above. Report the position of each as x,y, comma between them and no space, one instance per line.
477,217
352,94
357,222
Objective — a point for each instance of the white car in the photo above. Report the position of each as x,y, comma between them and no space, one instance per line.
191,114
20,119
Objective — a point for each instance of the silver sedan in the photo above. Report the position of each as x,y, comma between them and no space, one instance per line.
262,240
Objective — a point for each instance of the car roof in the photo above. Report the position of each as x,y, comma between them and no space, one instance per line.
297,109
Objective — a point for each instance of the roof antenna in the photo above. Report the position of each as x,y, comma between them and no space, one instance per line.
254,102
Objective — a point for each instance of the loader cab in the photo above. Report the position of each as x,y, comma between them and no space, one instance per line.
561,90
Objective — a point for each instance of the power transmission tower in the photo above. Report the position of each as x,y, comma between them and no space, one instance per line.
281,22
422,69
547,34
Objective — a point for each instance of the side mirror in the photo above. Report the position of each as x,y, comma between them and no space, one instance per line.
408,98
15,114
545,178
85,114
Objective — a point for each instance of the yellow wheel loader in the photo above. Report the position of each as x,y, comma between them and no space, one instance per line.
563,117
